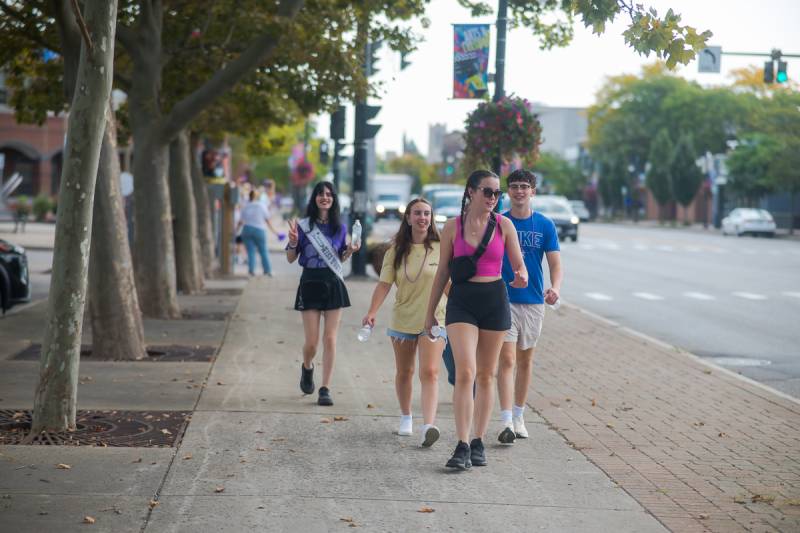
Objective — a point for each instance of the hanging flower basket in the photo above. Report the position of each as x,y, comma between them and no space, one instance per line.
508,127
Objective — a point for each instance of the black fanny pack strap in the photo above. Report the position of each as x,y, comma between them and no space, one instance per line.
487,236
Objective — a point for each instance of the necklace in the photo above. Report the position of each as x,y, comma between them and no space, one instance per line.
472,231
421,267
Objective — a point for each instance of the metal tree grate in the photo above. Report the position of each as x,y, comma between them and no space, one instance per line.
125,429
167,353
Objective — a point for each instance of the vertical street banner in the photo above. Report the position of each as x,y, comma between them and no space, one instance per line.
470,60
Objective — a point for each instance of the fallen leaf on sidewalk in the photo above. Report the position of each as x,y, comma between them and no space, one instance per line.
706,371
555,404
766,498
348,519
219,489
278,439
426,510
139,460
325,421
370,406
340,418
740,499
610,425
568,399
152,504
795,502
166,431
261,449
89,520
187,456
594,402
722,434
220,383
63,466
702,516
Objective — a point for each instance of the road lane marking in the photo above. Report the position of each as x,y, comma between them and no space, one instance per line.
693,249
586,246
749,296
699,296
598,296
665,248
792,294
648,296
641,247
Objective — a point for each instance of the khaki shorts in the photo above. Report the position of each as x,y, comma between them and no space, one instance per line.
526,325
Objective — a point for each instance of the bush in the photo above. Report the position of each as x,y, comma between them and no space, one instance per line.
42,205
22,206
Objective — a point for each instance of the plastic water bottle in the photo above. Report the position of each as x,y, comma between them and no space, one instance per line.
355,238
437,331
555,305
364,333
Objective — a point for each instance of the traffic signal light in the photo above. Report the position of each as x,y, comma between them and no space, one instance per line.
365,113
769,72
781,76
338,123
404,63
372,57
323,152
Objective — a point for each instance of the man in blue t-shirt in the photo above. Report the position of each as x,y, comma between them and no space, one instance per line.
537,237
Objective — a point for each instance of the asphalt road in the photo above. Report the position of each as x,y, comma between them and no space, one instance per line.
735,301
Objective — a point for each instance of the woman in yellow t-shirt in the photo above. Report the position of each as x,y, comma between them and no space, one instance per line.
411,263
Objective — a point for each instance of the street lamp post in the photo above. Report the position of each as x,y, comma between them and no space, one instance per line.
500,70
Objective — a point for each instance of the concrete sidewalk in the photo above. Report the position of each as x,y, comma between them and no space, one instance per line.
626,435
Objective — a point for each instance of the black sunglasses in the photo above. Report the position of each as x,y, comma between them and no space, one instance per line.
488,192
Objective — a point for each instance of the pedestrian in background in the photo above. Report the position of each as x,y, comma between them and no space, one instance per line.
537,237
410,263
319,242
253,222
478,314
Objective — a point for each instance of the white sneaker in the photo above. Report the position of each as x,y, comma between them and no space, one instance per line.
519,427
406,427
507,436
430,434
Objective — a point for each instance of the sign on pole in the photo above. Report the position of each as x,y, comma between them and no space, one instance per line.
710,59
470,60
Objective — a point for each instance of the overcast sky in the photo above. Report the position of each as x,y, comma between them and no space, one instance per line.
422,93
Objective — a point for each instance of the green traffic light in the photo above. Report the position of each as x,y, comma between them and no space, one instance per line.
781,77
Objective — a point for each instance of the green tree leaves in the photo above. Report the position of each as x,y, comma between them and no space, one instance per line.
659,175
686,175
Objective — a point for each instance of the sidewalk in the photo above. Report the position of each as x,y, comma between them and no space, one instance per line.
37,235
626,435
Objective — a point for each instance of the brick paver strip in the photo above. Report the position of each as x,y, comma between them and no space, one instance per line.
700,449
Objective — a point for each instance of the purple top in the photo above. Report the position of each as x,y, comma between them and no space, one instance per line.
309,258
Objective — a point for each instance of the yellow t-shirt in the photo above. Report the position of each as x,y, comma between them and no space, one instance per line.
411,300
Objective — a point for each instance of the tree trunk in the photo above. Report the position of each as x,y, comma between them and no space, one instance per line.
117,331
55,401
187,246
154,253
205,230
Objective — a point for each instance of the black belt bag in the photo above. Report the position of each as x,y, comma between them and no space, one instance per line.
466,266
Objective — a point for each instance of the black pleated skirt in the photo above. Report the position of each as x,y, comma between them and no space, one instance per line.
320,289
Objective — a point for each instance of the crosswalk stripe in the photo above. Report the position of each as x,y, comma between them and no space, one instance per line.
749,296
599,296
699,296
792,294
648,296
641,247
665,248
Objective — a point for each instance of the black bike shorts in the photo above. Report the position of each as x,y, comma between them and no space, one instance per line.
484,305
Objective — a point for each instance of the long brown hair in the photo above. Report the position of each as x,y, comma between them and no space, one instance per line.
403,238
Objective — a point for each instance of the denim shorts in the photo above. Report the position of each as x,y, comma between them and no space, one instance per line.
399,335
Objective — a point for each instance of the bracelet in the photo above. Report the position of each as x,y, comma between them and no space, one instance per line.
291,247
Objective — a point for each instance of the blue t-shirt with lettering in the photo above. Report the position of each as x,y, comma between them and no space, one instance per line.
537,235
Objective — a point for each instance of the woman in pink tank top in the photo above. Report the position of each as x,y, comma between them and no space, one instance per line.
478,313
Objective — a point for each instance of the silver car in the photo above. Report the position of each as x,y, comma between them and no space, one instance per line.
744,220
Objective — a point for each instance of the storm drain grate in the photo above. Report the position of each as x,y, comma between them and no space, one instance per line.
172,353
124,429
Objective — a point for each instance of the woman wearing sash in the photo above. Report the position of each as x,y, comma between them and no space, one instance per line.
478,313
319,241
410,263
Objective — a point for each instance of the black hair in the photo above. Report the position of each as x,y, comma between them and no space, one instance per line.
312,211
522,175
473,181
252,195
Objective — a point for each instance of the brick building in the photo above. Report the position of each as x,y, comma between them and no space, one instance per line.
33,151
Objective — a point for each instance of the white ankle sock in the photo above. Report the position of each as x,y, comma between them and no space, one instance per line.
406,424
517,410
505,416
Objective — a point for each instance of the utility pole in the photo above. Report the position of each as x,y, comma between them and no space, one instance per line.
337,134
500,69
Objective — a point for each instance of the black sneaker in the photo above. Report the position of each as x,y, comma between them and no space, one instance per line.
306,379
507,436
324,396
476,452
460,458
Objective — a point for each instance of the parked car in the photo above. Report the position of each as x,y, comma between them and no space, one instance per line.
15,285
446,204
432,188
743,220
580,209
560,213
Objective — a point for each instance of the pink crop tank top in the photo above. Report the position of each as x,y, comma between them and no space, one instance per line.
491,262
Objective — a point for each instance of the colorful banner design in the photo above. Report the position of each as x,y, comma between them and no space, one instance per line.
470,60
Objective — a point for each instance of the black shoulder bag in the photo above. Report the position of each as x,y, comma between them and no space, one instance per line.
464,267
